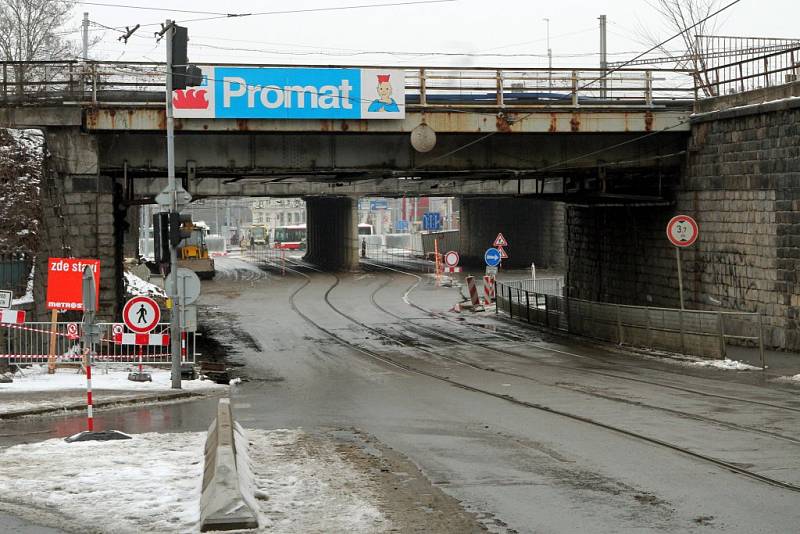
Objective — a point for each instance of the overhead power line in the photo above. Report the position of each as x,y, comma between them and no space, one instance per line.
592,82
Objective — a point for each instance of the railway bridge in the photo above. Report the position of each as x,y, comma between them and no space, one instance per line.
577,169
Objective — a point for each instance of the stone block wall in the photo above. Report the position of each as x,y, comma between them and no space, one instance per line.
534,228
742,185
78,219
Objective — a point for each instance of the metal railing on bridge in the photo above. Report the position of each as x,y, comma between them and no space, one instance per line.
133,83
697,332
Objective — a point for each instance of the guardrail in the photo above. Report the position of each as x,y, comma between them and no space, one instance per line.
754,72
697,332
426,87
546,286
30,343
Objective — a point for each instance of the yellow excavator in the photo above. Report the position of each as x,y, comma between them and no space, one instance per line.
193,252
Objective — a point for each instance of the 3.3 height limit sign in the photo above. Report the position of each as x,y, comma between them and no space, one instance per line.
682,231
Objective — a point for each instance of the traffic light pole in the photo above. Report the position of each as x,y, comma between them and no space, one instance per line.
172,280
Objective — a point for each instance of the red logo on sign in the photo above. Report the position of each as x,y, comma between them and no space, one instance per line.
190,99
65,282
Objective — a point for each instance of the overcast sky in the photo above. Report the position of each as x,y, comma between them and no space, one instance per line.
431,32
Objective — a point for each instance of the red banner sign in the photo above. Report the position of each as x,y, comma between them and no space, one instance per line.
65,282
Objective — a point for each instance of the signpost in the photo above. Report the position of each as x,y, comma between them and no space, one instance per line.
5,299
65,292
682,231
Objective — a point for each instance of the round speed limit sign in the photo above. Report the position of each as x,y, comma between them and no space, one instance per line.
682,231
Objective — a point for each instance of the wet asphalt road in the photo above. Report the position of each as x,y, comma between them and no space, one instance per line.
518,467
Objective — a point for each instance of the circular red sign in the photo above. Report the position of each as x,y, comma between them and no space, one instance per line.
451,258
141,314
682,231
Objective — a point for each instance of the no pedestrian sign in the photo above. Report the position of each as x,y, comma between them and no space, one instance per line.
682,231
141,314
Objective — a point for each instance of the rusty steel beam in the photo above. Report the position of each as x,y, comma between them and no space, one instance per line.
462,121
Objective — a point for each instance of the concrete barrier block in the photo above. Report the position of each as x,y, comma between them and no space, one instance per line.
227,501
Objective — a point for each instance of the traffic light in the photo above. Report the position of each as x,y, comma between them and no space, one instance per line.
183,74
161,237
180,227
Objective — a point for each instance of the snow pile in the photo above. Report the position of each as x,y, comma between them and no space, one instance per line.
726,364
789,379
152,482
135,286
37,379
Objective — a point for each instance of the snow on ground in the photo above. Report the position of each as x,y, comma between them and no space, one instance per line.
152,483
789,379
36,378
726,364
136,286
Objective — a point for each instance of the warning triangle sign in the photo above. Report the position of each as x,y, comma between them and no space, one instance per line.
502,251
500,241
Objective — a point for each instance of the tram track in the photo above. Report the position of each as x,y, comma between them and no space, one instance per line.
508,398
507,352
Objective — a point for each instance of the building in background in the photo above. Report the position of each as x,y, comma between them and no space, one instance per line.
274,212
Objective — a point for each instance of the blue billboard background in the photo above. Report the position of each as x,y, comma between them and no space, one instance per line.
289,93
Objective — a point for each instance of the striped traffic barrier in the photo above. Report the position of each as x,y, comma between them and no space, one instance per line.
473,291
89,415
488,289
12,316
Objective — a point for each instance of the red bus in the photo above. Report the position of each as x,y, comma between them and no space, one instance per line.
293,237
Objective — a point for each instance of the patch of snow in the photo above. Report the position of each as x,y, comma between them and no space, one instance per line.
136,286
235,381
789,379
152,483
27,298
36,378
726,364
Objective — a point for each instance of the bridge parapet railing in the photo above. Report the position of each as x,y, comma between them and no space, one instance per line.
696,332
426,87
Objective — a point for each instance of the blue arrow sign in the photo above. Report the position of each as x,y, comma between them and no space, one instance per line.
492,257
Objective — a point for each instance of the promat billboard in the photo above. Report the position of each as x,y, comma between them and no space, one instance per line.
294,93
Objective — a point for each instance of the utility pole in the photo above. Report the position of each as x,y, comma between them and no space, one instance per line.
172,281
603,57
85,27
549,57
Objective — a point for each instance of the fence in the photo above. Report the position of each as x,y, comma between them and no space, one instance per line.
736,64
29,343
448,240
702,333
545,286
426,87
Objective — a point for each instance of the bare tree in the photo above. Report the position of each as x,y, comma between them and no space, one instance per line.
679,16
32,30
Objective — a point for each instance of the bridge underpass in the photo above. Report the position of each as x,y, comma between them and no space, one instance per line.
620,167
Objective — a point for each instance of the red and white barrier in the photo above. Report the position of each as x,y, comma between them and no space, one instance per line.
488,289
141,339
12,316
473,291
452,269
183,346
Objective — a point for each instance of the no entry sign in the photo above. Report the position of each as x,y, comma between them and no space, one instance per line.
451,258
65,282
141,314
682,231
